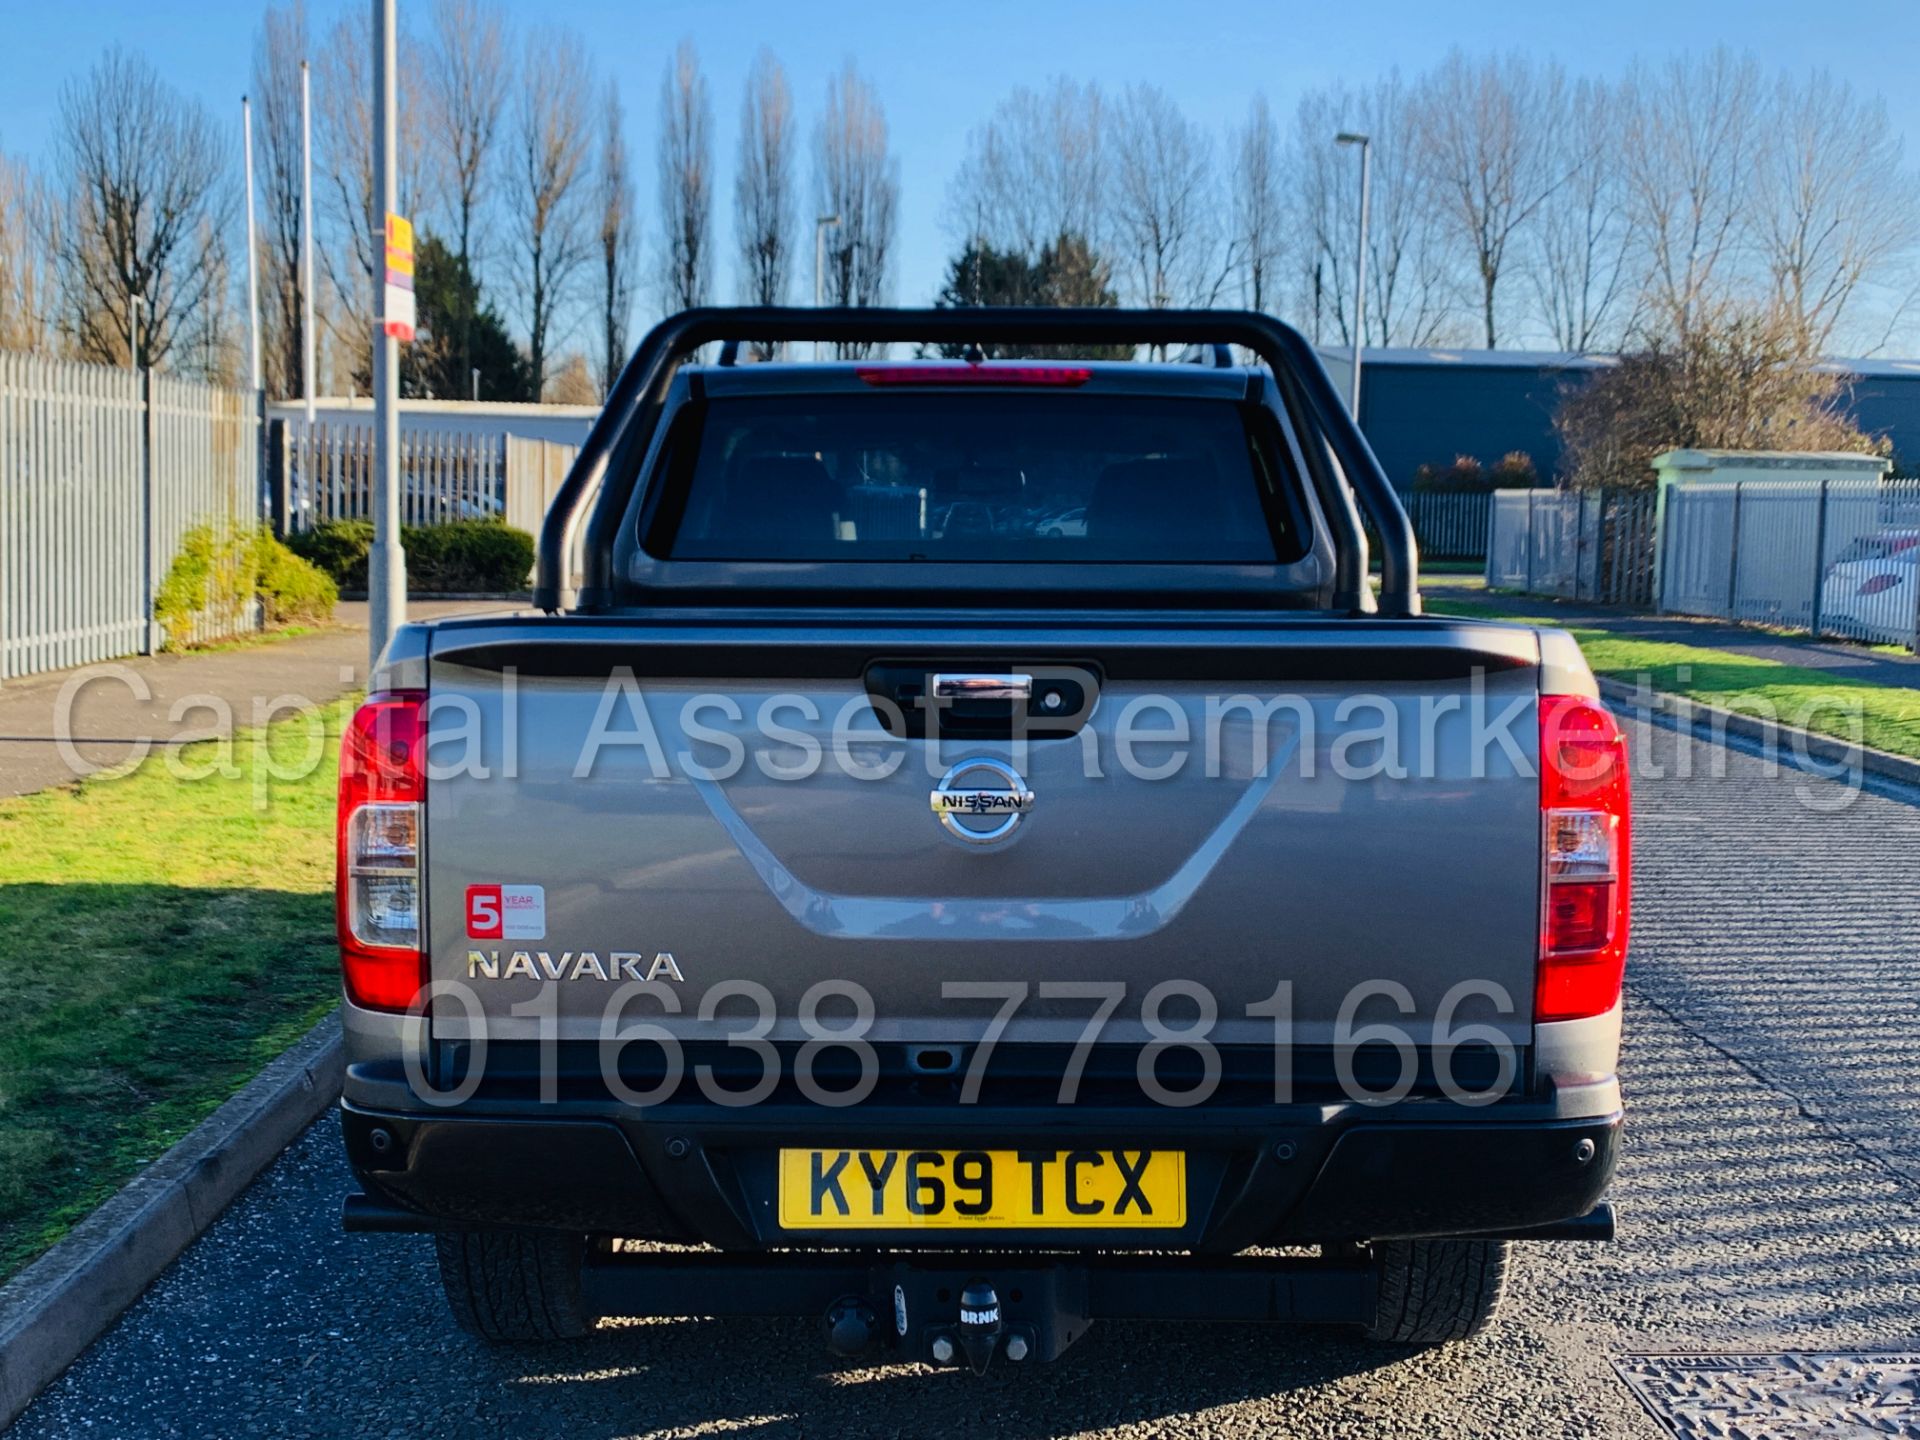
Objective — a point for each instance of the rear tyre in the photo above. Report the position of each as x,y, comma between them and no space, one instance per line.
1433,1292
508,1285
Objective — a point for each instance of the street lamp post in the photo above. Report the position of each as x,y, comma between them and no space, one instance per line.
253,279
306,241
1359,263
386,561
820,228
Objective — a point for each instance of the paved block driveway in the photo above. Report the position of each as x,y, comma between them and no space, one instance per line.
1770,1197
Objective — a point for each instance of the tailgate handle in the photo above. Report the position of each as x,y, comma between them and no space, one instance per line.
982,687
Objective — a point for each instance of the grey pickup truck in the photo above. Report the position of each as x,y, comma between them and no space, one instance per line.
961,848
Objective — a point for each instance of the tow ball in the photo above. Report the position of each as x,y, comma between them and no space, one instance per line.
979,1325
978,1332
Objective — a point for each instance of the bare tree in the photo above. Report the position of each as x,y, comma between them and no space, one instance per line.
1577,263
1744,377
343,164
552,156
1034,171
1690,139
277,52
466,78
619,240
572,382
856,178
26,299
686,182
1259,206
1834,203
149,198
1165,214
763,202
1487,127
1411,295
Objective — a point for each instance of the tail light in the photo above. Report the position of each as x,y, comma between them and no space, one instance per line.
1055,375
1587,853
377,888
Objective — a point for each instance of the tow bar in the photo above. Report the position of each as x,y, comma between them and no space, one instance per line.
970,1309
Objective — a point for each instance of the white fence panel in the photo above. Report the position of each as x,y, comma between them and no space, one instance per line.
1696,547
96,490
73,558
1573,544
1509,540
536,469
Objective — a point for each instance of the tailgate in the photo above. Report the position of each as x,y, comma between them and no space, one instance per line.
1280,848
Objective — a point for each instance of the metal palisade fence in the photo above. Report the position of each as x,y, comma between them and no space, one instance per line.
324,472
1450,524
1834,557
1593,545
102,472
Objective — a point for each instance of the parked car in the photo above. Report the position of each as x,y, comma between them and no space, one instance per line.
1869,592
830,900
1072,521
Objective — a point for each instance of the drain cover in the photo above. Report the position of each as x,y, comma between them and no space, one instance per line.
1778,1397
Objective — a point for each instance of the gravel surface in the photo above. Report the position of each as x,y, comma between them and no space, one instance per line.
1770,1200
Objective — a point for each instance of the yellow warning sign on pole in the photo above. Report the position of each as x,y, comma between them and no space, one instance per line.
397,310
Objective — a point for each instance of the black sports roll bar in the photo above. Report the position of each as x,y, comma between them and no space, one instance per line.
640,394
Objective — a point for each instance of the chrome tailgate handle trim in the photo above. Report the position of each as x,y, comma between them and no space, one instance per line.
981,687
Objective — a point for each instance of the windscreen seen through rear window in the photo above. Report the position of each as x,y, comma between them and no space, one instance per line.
978,476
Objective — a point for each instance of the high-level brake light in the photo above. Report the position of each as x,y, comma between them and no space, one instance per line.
1586,831
377,885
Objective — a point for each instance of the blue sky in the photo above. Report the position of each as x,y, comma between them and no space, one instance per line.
941,67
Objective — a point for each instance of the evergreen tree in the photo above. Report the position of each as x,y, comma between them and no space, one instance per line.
1068,272
458,332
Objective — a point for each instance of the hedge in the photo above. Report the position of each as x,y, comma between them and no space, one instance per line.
460,556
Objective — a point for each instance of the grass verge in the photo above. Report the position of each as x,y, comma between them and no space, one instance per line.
164,933
1885,717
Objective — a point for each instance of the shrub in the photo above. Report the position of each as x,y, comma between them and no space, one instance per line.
340,548
463,555
467,555
292,591
1513,471
207,577
219,579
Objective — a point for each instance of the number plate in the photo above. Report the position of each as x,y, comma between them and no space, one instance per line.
982,1189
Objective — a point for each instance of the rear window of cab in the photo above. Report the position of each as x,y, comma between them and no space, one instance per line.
900,475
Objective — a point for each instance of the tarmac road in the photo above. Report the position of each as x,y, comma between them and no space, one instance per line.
1770,1200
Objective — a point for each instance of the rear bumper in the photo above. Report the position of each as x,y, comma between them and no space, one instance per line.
1265,1175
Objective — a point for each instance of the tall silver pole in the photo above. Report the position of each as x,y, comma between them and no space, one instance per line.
820,266
1359,264
386,563
306,237
253,254
1360,273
